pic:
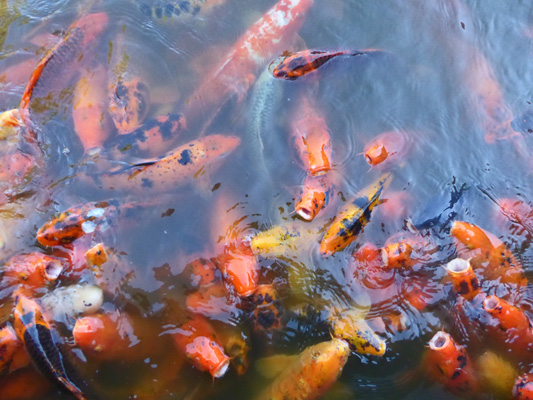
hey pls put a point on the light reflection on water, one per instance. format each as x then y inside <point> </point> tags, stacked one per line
<point>423,85</point>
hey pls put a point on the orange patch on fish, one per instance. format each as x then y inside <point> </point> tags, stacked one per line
<point>32,271</point>
<point>387,149</point>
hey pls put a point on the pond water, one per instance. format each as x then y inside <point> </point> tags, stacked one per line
<point>450,81</point>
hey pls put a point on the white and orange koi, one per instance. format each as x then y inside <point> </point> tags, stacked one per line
<point>264,40</point>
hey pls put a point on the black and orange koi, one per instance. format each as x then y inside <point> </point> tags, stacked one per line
<point>34,330</point>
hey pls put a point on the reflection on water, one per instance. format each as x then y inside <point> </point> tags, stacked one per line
<point>159,109</point>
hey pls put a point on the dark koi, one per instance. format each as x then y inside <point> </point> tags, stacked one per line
<point>292,66</point>
<point>34,330</point>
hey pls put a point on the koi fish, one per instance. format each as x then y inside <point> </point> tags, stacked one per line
<point>80,34</point>
<point>96,255</point>
<point>464,280</point>
<point>448,363</point>
<point>76,222</point>
<point>267,37</point>
<point>398,255</point>
<point>176,168</point>
<point>240,269</point>
<point>36,333</point>
<point>515,327</point>
<point>107,336</point>
<point>292,66</point>
<point>283,240</point>
<point>198,341</point>
<point>350,325</point>
<point>72,301</point>
<point>523,388</point>
<point>367,267</point>
<point>316,194</point>
<point>310,374</point>
<point>9,344</point>
<point>352,218</point>
<point>267,308</point>
<point>32,271</point>
<point>311,138</point>
<point>488,253</point>
<point>91,121</point>
<point>387,149</point>
<point>128,104</point>
<point>172,9</point>
<point>152,138</point>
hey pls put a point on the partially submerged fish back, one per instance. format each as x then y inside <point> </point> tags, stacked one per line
<point>179,166</point>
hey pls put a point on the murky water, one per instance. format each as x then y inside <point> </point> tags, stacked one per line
<point>453,79</point>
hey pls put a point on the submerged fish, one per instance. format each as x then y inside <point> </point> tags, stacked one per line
<point>308,375</point>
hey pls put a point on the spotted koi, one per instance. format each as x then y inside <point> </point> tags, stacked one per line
<point>316,194</point>
<point>448,363</point>
<point>35,331</point>
<point>152,138</point>
<point>464,280</point>
<point>177,167</point>
<point>76,222</point>
<point>352,218</point>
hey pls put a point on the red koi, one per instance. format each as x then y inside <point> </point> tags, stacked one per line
<point>32,271</point>
<point>76,222</point>
<point>89,113</point>
<point>295,65</point>
<point>367,267</point>
<point>449,364</point>
<point>240,269</point>
<point>198,341</point>
<point>263,40</point>
<point>34,330</point>
<point>311,138</point>
<point>175,168</point>
<point>80,34</point>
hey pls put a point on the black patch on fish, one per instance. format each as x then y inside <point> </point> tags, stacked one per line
<point>185,157</point>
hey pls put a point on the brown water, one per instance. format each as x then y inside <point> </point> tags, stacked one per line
<point>448,75</point>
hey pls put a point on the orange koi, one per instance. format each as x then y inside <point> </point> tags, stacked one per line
<point>32,271</point>
<point>80,34</point>
<point>263,40</point>
<point>91,121</point>
<point>311,374</point>
<point>96,255</point>
<point>316,194</point>
<point>109,336</point>
<point>449,364</point>
<point>515,327</point>
<point>198,341</point>
<point>9,344</point>
<point>398,255</point>
<point>311,138</point>
<point>523,388</point>
<point>487,253</point>
<point>295,65</point>
<point>129,104</point>
<point>36,333</point>
<point>201,273</point>
<point>352,218</point>
<point>464,280</point>
<point>240,269</point>
<point>387,149</point>
<point>268,309</point>
<point>175,168</point>
<point>76,222</point>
